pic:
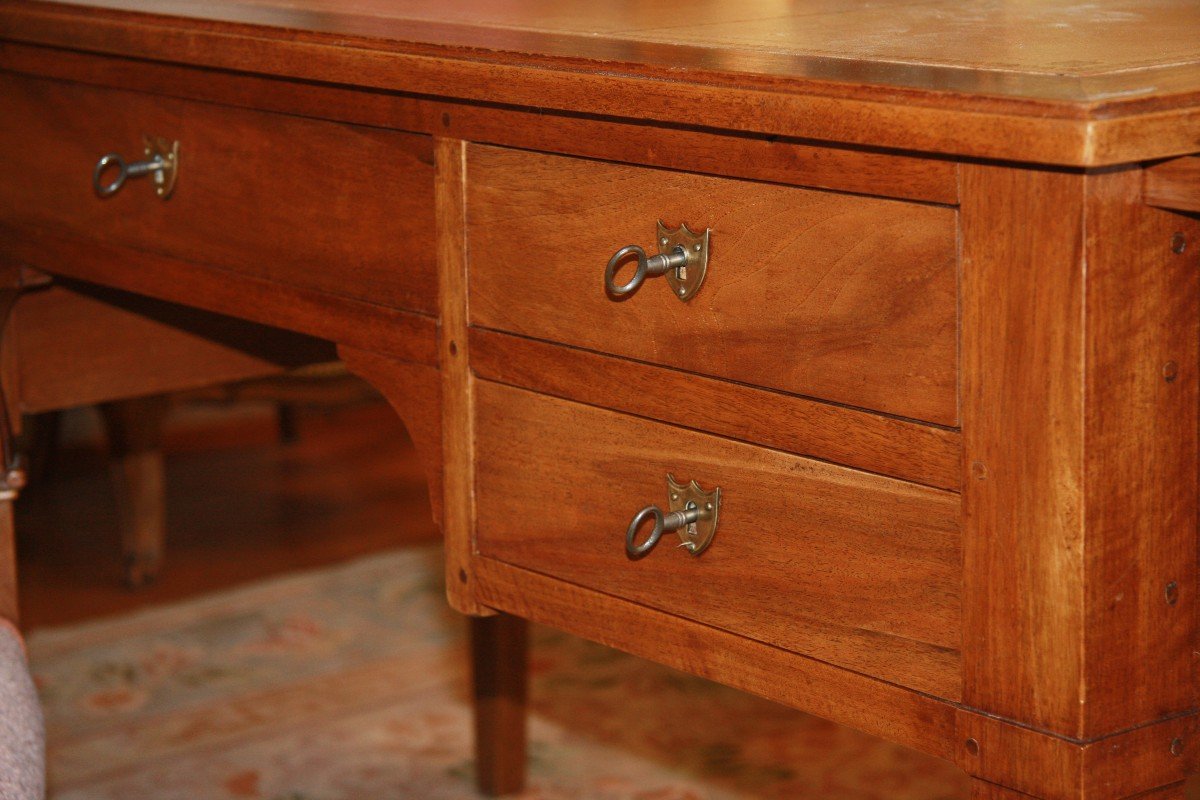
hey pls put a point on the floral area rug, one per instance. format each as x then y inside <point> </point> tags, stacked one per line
<point>350,684</point>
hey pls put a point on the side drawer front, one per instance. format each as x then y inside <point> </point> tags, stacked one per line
<point>834,296</point>
<point>338,208</point>
<point>851,568</point>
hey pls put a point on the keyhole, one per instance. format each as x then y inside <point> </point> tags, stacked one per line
<point>692,533</point>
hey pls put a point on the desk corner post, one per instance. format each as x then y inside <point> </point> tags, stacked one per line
<point>498,642</point>
<point>457,380</point>
<point>1080,339</point>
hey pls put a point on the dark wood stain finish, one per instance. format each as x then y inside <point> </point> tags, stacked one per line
<point>853,569</point>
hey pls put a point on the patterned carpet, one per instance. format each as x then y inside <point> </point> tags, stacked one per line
<point>349,684</point>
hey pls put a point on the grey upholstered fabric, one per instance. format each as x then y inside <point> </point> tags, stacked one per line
<point>22,734</point>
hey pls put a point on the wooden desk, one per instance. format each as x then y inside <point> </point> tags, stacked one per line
<point>943,365</point>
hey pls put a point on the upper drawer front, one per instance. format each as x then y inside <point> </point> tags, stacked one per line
<point>841,297</point>
<point>851,568</point>
<point>337,208</point>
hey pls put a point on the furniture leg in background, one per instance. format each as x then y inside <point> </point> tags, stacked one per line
<point>499,659</point>
<point>135,441</point>
<point>8,562</point>
<point>22,730</point>
<point>72,345</point>
<point>12,476</point>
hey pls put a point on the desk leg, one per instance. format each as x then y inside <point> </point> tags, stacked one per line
<point>498,643</point>
<point>135,446</point>
<point>499,648</point>
<point>1079,432</point>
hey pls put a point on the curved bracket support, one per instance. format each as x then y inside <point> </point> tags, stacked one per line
<point>414,393</point>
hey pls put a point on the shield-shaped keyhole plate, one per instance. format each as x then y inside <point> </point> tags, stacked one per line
<point>697,536</point>
<point>168,151</point>
<point>685,281</point>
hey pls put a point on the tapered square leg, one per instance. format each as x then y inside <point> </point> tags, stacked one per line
<point>499,648</point>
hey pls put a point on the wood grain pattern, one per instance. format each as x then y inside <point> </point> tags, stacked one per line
<point>80,345</point>
<point>342,209</point>
<point>1023,512</point>
<point>1173,184</point>
<point>1080,497</point>
<point>857,570</point>
<point>1111,103</point>
<point>405,335</point>
<point>1141,460</point>
<point>875,443</point>
<point>846,697</point>
<point>838,297</point>
<point>756,156</point>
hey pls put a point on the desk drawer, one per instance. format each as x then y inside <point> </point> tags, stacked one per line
<point>840,297</point>
<point>337,208</point>
<point>851,568</point>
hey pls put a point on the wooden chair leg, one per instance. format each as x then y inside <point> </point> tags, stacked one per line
<point>499,656</point>
<point>40,440</point>
<point>135,445</point>
<point>8,563</point>
<point>289,427</point>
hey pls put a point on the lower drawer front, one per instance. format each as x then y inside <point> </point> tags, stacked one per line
<point>848,567</point>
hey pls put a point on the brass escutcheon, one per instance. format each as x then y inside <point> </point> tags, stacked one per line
<point>692,513</point>
<point>682,258</point>
<point>162,162</point>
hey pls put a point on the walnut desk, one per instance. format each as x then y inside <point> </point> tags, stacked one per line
<point>881,319</point>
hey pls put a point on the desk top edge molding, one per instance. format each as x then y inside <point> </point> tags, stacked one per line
<point>1081,120</point>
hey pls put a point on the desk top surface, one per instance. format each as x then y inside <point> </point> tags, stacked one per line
<point>1038,59</point>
